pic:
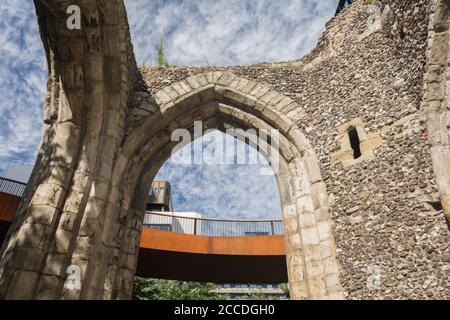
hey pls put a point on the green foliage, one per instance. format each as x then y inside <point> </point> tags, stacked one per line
<point>144,289</point>
<point>151,289</point>
<point>260,295</point>
<point>207,64</point>
<point>161,52</point>
<point>286,291</point>
<point>143,66</point>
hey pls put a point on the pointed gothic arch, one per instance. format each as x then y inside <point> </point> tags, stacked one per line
<point>224,100</point>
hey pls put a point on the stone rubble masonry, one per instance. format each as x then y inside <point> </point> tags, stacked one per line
<point>107,130</point>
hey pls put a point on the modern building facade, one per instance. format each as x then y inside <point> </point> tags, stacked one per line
<point>252,291</point>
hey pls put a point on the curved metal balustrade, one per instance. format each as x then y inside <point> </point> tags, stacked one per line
<point>12,187</point>
<point>212,227</point>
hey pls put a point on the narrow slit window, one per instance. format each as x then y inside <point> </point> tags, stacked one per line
<point>355,142</point>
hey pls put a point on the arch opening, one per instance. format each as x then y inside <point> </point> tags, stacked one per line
<point>245,247</point>
<point>222,176</point>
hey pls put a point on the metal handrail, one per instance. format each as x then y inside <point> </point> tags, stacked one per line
<point>15,181</point>
<point>12,187</point>
<point>212,227</point>
<point>169,214</point>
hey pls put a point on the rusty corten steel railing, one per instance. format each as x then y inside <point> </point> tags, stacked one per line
<point>212,227</point>
<point>12,187</point>
<point>11,193</point>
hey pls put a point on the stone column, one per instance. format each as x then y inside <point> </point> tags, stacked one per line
<point>59,222</point>
<point>436,103</point>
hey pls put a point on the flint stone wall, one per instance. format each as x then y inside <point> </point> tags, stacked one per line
<point>386,211</point>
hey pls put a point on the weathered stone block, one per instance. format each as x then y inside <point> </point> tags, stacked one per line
<point>48,288</point>
<point>314,268</point>
<point>112,73</point>
<point>260,90</point>
<point>225,79</point>
<point>306,220</point>
<point>310,236</point>
<point>63,240</point>
<point>30,235</point>
<point>330,266</point>
<point>324,231</point>
<point>55,265</point>
<point>41,214</point>
<point>20,285</point>
<point>299,290</point>
<point>162,98</point>
<point>439,50</point>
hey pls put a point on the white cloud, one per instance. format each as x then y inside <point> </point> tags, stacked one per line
<point>22,82</point>
<point>228,191</point>
<point>222,32</point>
<point>227,32</point>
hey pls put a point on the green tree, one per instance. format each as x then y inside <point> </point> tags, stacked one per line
<point>286,290</point>
<point>144,289</point>
<point>151,289</point>
<point>260,295</point>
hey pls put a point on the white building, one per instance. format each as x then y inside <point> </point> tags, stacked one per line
<point>252,291</point>
<point>179,222</point>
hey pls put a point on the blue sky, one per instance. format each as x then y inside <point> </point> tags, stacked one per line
<point>198,32</point>
<point>227,32</point>
<point>223,190</point>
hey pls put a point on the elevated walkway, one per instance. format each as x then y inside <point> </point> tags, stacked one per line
<point>193,249</point>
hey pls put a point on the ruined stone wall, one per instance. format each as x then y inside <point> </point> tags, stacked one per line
<point>367,74</point>
<point>82,206</point>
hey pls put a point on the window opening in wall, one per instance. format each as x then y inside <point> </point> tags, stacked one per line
<point>355,142</point>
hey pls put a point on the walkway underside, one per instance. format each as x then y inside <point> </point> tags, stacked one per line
<point>211,268</point>
<point>168,255</point>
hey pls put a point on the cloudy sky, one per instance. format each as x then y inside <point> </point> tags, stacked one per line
<point>227,32</point>
<point>197,32</point>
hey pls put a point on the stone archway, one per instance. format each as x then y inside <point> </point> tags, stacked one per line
<point>435,102</point>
